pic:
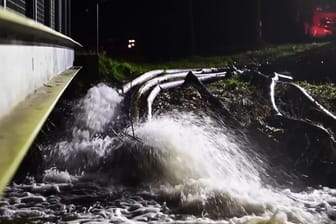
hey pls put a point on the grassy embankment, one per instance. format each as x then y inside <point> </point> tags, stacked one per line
<point>110,69</point>
<point>234,91</point>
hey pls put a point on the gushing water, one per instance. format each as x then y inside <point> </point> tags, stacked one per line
<point>180,168</point>
<point>98,107</point>
<point>198,149</point>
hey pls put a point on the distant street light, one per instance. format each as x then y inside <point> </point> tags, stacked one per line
<point>131,44</point>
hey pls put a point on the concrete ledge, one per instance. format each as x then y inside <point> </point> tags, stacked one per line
<point>17,28</point>
<point>21,126</point>
<point>33,58</point>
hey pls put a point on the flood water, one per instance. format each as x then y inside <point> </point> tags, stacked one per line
<point>180,167</point>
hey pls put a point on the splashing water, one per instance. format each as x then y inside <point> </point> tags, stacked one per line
<point>200,148</point>
<point>216,174</point>
<point>188,169</point>
<point>98,107</point>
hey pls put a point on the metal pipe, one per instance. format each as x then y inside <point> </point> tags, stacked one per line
<point>35,10</point>
<point>156,92</point>
<point>154,73</point>
<point>156,81</point>
<point>147,76</point>
<point>69,18</point>
<point>65,10</point>
<point>60,16</point>
<point>97,26</point>
<point>168,85</point>
<point>272,94</point>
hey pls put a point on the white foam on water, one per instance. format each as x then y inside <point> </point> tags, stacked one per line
<point>53,175</point>
<point>81,153</point>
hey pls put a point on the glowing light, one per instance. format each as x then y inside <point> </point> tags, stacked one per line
<point>131,43</point>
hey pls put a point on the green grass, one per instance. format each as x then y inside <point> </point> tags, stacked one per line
<point>324,93</point>
<point>111,69</point>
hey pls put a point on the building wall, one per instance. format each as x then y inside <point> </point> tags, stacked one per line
<point>55,14</point>
<point>17,5</point>
<point>31,54</point>
<point>25,68</point>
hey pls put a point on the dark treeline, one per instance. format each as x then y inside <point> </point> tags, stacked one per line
<point>178,28</point>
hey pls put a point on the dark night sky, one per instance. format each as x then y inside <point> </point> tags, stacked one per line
<point>164,27</point>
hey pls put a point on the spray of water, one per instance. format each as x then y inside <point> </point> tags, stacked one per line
<point>216,174</point>
<point>98,107</point>
<point>203,174</point>
<point>197,148</point>
<point>84,150</point>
